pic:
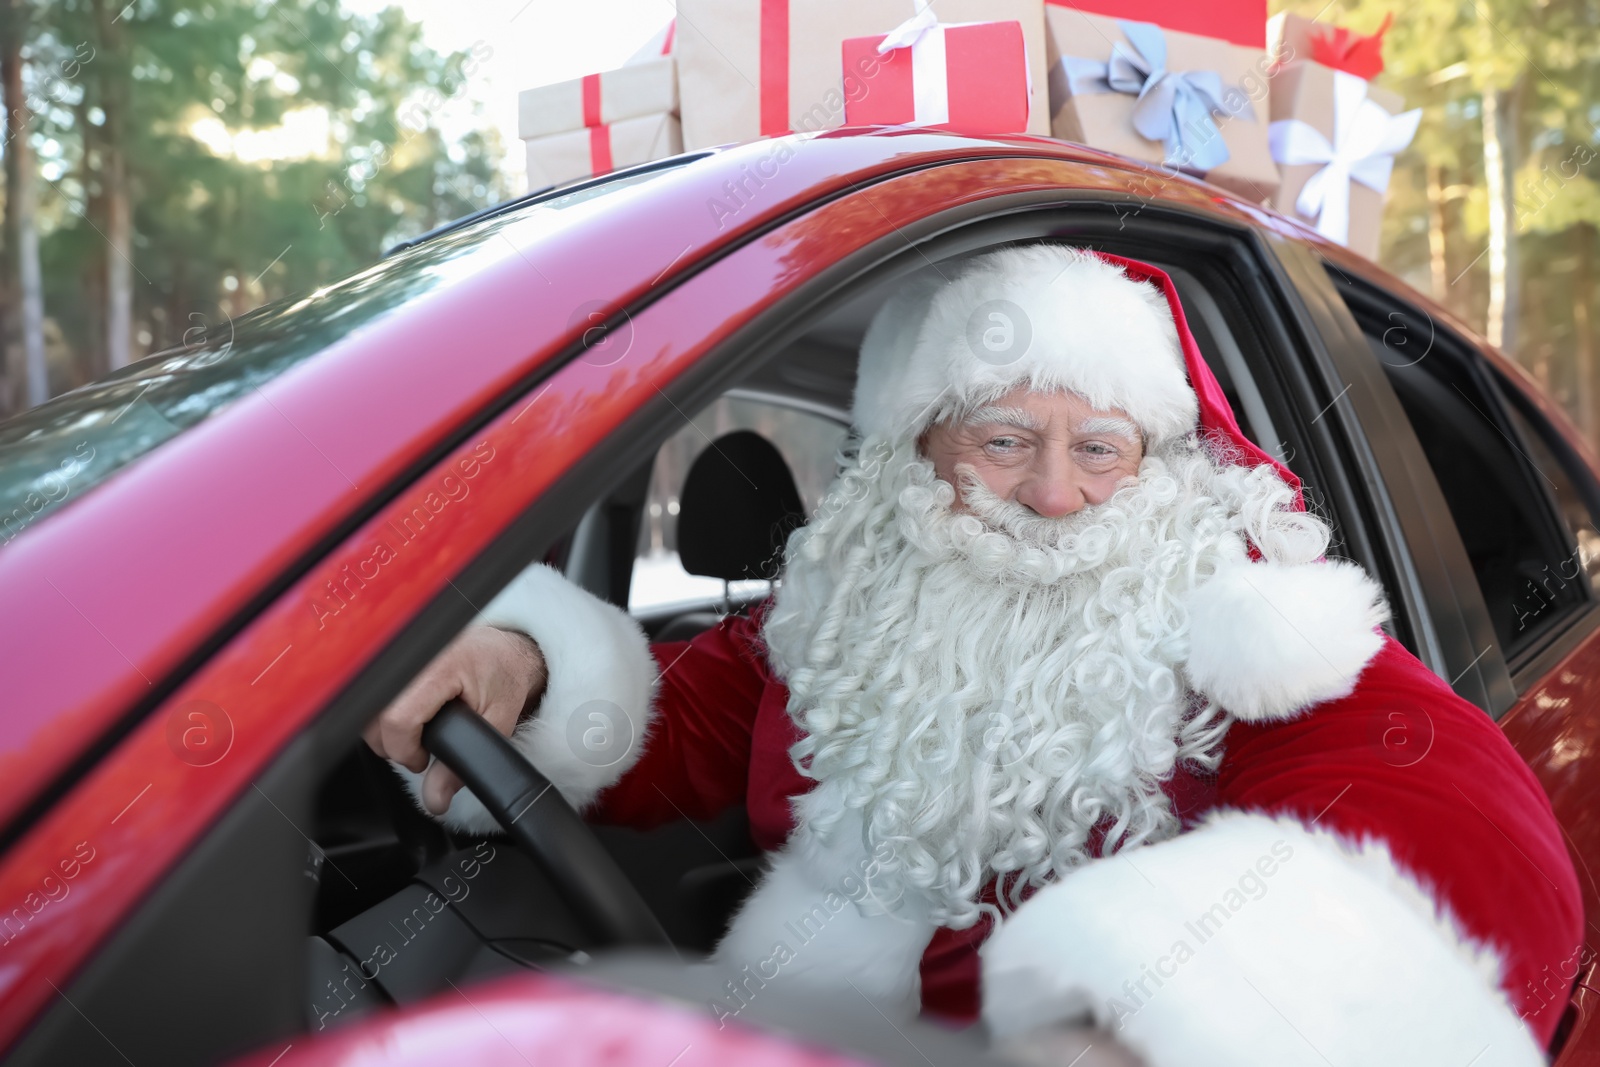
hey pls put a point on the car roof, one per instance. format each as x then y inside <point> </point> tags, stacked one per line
<point>116,597</point>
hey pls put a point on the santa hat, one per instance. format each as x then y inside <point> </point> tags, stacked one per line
<point>1054,317</point>
<point>1268,639</point>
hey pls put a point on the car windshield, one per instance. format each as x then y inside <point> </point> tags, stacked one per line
<point>59,450</point>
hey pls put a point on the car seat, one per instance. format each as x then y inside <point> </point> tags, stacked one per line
<point>738,506</point>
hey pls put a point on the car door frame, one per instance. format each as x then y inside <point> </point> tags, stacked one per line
<point>936,207</point>
<point>1440,584</point>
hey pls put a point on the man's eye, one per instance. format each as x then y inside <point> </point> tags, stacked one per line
<point>1003,442</point>
<point>1098,456</point>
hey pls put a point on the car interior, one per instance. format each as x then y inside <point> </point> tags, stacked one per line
<point>370,872</point>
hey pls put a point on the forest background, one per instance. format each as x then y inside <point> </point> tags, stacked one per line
<point>171,163</point>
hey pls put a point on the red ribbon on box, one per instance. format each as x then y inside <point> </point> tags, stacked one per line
<point>591,100</point>
<point>600,150</point>
<point>599,132</point>
<point>967,77</point>
<point>774,76</point>
<point>1353,53</point>
<point>1237,21</point>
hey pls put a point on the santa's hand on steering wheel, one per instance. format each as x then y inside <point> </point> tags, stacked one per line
<point>500,674</point>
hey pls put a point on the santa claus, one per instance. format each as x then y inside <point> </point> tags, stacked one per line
<point>1062,652</point>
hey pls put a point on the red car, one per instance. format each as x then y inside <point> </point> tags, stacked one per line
<point>282,523</point>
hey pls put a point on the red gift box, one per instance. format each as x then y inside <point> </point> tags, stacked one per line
<point>967,77</point>
<point>1291,37</point>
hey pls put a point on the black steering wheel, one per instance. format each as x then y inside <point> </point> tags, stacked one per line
<point>538,818</point>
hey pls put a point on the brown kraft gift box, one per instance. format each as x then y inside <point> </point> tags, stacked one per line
<point>1304,91</point>
<point>1105,119</point>
<point>565,157</point>
<point>646,88</point>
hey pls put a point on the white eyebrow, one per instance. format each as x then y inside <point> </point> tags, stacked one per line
<point>1005,416</point>
<point>1109,424</point>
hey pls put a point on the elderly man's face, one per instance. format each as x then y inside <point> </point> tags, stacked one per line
<point>1050,452</point>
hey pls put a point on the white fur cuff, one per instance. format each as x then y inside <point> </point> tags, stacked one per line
<point>1268,640</point>
<point>596,708</point>
<point>1254,941</point>
<point>804,926</point>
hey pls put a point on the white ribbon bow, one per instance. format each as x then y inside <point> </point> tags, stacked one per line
<point>930,78</point>
<point>1365,140</point>
<point>923,33</point>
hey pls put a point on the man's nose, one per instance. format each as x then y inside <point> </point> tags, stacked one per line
<point>1052,488</point>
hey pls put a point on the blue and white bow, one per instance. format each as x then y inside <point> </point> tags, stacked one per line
<point>1173,107</point>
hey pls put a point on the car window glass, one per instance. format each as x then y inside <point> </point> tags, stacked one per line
<point>1225,359</point>
<point>1575,495</point>
<point>1498,494</point>
<point>809,443</point>
<point>55,452</point>
<point>552,198</point>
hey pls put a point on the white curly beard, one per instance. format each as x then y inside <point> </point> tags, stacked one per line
<point>987,688</point>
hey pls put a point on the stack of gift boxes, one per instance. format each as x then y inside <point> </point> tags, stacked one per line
<point>602,122</point>
<point>1334,134</point>
<point>1281,113</point>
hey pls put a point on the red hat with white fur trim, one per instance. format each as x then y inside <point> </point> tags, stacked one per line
<point>1056,317</point>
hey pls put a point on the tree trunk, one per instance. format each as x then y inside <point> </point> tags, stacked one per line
<point>25,293</point>
<point>119,265</point>
<point>1438,262</point>
<point>114,179</point>
<point>1499,125</point>
<point>89,335</point>
<point>1583,236</point>
<point>12,373</point>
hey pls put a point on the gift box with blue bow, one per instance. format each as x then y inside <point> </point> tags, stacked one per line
<point>1181,86</point>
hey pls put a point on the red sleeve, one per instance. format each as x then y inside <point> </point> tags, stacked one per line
<point>1405,760</point>
<point>696,757</point>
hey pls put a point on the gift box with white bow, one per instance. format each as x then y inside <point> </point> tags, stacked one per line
<point>967,77</point>
<point>1334,134</point>
<point>1180,85</point>
<point>761,68</point>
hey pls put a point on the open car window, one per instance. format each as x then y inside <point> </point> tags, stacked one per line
<point>808,442</point>
<point>1577,500</point>
<point>1499,479</point>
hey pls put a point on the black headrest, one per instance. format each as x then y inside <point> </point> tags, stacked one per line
<point>738,507</point>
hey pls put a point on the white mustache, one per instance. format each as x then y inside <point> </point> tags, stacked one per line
<point>1017,521</point>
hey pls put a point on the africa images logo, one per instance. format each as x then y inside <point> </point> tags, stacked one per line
<point>999,333</point>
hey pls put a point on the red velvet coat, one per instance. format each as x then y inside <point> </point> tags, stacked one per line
<point>1402,759</point>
